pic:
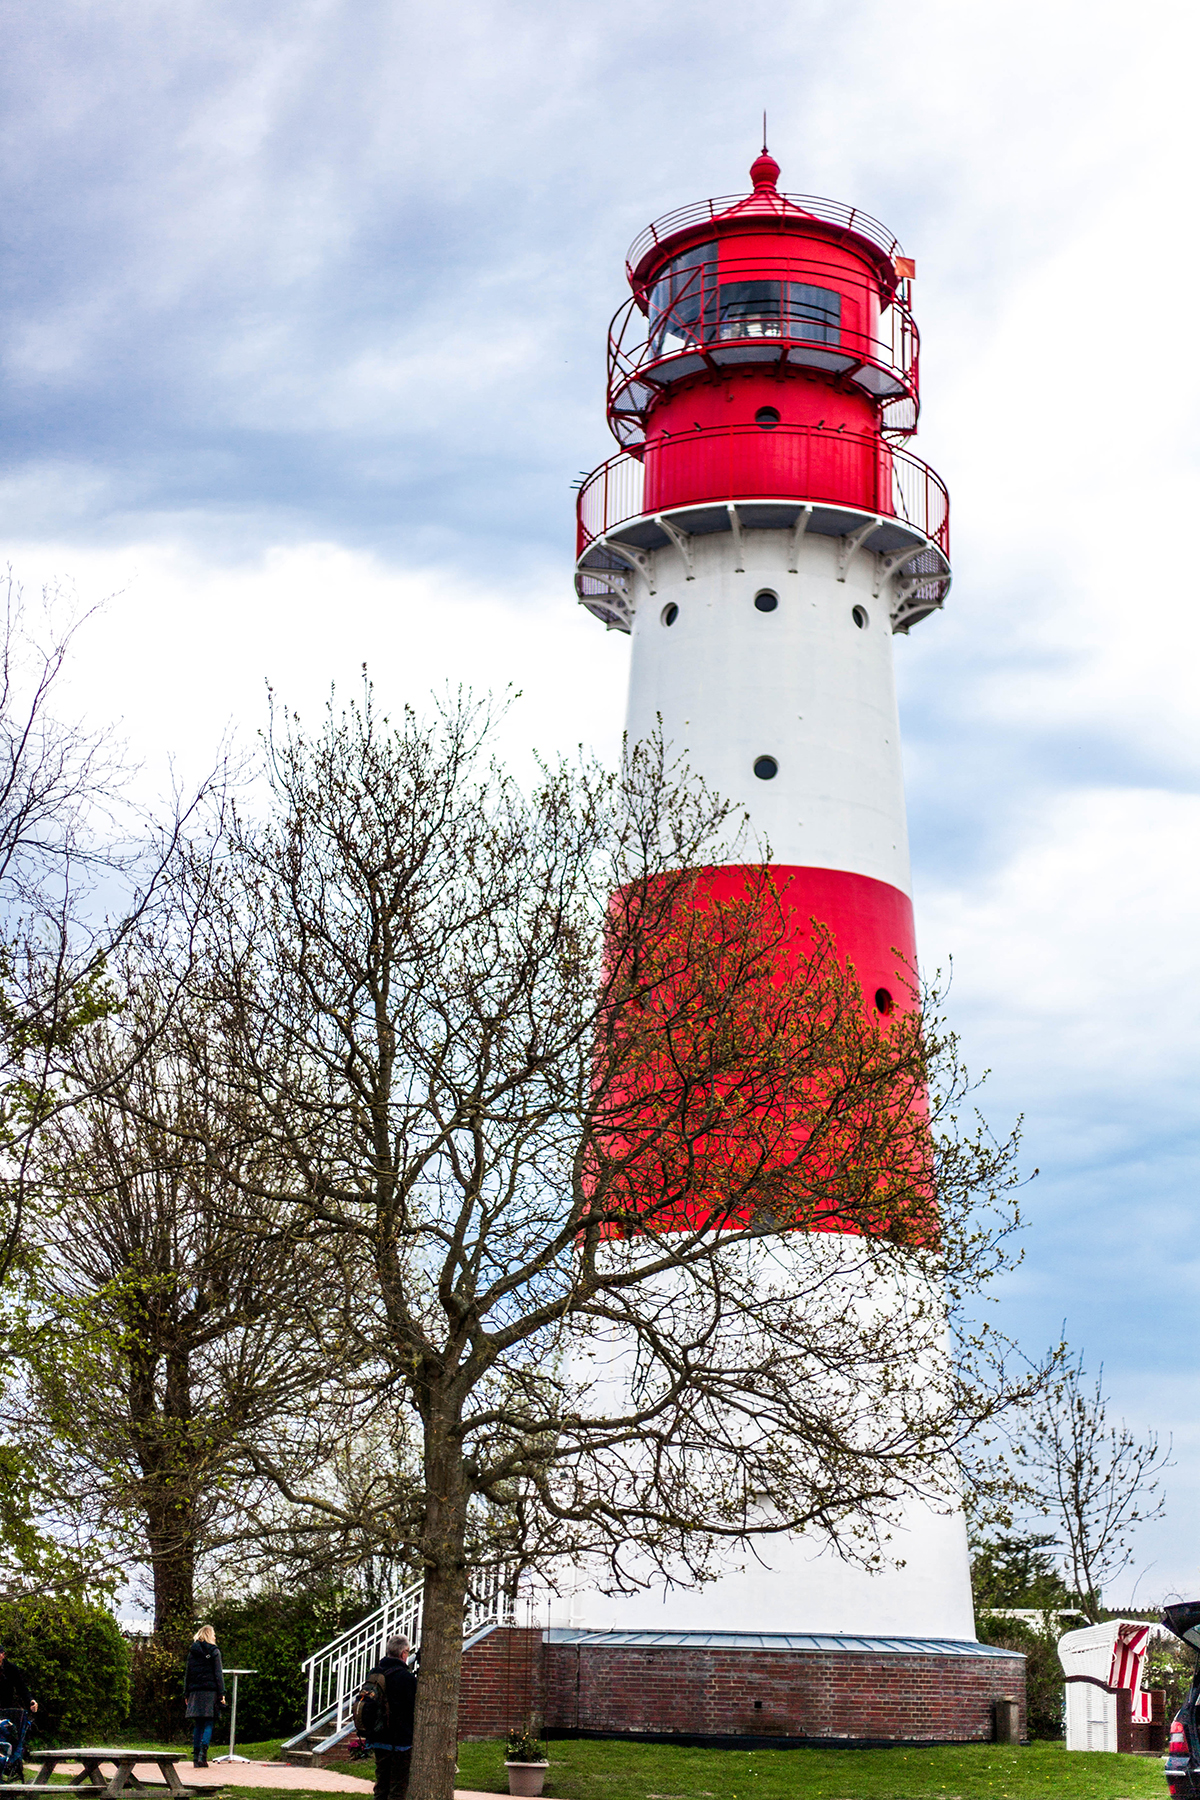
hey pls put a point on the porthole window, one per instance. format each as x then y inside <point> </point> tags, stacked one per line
<point>765,600</point>
<point>766,768</point>
<point>883,1001</point>
<point>861,617</point>
<point>669,613</point>
<point>767,417</point>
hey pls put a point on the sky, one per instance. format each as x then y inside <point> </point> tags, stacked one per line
<point>303,345</point>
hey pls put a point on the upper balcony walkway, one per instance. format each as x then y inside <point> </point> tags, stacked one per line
<point>848,485</point>
<point>644,363</point>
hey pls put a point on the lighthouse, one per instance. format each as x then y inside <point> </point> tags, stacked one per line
<point>762,535</point>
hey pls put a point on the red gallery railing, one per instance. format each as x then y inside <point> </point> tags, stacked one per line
<point>699,212</point>
<point>641,365</point>
<point>802,463</point>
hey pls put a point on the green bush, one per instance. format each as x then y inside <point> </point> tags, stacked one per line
<point>156,1666</point>
<point>76,1662</point>
<point>1043,1671</point>
<point>273,1633</point>
<point>1171,1667</point>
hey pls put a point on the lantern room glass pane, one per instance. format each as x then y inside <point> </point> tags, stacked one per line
<point>683,301</point>
<point>814,313</point>
<point>686,308</point>
<point>750,308</point>
<point>780,309</point>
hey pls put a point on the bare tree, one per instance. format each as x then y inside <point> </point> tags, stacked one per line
<point>1094,1481</point>
<point>53,773</point>
<point>60,795</point>
<point>80,874</point>
<point>661,1234</point>
<point>174,1318</point>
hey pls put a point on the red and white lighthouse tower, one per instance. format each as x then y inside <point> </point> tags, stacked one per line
<point>762,536</point>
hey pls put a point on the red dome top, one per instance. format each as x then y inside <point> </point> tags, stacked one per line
<point>766,200</point>
<point>764,170</point>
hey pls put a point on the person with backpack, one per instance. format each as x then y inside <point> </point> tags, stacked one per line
<point>204,1691</point>
<point>17,1707</point>
<point>383,1714</point>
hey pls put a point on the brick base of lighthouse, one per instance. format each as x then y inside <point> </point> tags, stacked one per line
<point>772,1690</point>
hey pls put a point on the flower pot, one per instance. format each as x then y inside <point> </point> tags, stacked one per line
<point>526,1778</point>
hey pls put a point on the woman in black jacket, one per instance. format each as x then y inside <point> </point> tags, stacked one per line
<point>204,1690</point>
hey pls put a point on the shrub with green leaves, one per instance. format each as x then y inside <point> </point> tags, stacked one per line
<point>156,1685</point>
<point>76,1663</point>
<point>1043,1672</point>
<point>272,1634</point>
<point>1172,1667</point>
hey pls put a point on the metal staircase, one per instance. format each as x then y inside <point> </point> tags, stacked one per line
<point>336,1672</point>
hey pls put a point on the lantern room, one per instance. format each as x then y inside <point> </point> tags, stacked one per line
<point>770,304</point>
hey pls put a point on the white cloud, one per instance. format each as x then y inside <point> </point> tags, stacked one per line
<point>305,334</point>
<point>185,646</point>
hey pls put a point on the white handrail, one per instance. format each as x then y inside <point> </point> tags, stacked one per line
<point>337,1671</point>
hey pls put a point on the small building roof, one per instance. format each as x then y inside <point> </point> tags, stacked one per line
<point>817,1641</point>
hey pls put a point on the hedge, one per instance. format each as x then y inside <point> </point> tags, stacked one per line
<point>1044,1687</point>
<point>76,1663</point>
<point>272,1634</point>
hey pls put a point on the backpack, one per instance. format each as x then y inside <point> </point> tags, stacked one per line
<point>13,1733</point>
<point>370,1712</point>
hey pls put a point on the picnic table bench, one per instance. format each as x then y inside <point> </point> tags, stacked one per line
<point>91,1779</point>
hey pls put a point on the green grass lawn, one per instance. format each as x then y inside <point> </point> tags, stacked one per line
<point>265,1751</point>
<point>610,1770</point>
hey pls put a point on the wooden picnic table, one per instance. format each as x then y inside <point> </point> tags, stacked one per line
<point>123,1780</point>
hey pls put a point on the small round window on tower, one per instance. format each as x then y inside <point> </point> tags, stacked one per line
<point>766,768</point>
<point>767,417</point>
<point>669,613</point>
<point>883,1001</point>
<point>861,617</point>
<point>766,601</point>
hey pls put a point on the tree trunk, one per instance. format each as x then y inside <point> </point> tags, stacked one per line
<point>435,1737</point>
<point>162,1437</point>
<point>173,1565</point>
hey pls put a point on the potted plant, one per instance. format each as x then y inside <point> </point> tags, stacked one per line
<point>525,1760</point>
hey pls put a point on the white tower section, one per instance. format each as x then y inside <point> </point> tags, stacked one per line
<point>806,681</point>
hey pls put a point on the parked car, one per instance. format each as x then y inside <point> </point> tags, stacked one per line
<point>1183,1747</point>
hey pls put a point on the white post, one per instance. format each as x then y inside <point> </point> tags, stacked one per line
<point>233,1715</point>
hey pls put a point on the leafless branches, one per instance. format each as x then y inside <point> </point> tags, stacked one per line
<point>70,895</point>
<point>454,1174</point>
<point>1095,1481</point>
<point>654,1229</point>
<point>175,1320</point>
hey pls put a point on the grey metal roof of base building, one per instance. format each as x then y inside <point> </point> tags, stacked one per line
<point>773,1640</point>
